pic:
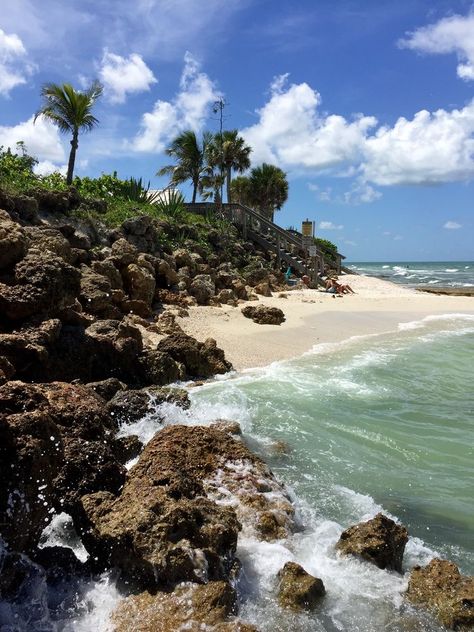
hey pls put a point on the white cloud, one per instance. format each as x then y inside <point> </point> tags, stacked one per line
<point>124,75</point>
<point>14,65</point>
<point>41,139</point>
<point>45,167</point>
<point>430,148</point>
<point>187,110</point>
<point>324,225</point>
<point>361,193</point>
<point>453,34</point>
<point>293,133</point>
<point>450,225</point>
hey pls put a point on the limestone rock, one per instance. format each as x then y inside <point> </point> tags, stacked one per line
<point>264,315</point>
<point>263,289</point>
<point>160,368</point>
<point>139,283</point>
<point>441,588</point>
<point>124,252</point>
<point>106,268</point>
<point>13,244</point>
<point>379,541</point>
<point>107,388</point>
<point>51,240</point>
<point>227,297</point>
<point>298,589</point>
<point>200,359</point>
<point>96,297</point>
<point>202,288</point>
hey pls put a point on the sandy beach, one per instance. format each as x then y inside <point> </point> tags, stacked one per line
<point>314,317</point>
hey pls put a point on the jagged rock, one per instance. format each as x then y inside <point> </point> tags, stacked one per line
<point>255,275</point>
<point>441,588</point>
<point>227,297</point>
<point>27,209</point>
<point>124,253</point>
<point>29,347</point>
<point>50,201</point>
<point>379,541</point>
<point>106,268</point>
<point>263,289</point>
<point>127,448</point>
<point>54,447</point>
<point>160,368</point>
<point>190,607</point>
<point>298,589</point>
<point>202,288</point>
<point>7,370</point>
<point>264,315</point>
<point>200,359</point>
<point>13,244</point>
<point>171,298</point>
<point>95,296</point>
<point>162,529</point>
<point>51,240</point>
<point>183,258</point>
<point>107,388</point>
<point>132,405</point>
<point>136,307</point>
<point>44,283</point>
<point>143,232</point>
<point>232,427</point>
<point>139,283</point>
<point>166,275</point>
<point>165,325</point>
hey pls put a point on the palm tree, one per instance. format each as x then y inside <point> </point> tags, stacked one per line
<point>230,152</point>
<point>190,156</point>
<point>268,189</point>
<point>240,190</point>
<point>71,111</point>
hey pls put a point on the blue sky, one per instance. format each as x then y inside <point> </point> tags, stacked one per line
<point>368,105</point>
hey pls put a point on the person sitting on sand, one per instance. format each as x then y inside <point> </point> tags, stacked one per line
<point>333,287</point>
<point>346,289</point>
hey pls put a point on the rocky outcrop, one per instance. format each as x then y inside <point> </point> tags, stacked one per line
<point>52,439</point>
<point>380,541</point>
<point>298,590</point>
<point>190,607</point>
<point>441,588</point>
<point>200,359</point>
<point>264,315</point>
<point>202,288</point>
<point>13,243</point>
<point>131,405</point>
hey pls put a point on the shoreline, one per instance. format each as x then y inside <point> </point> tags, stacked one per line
<point>314,317</point>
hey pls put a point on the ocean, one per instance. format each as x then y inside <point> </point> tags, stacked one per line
<point>375,423</point>
<point>412,273</point>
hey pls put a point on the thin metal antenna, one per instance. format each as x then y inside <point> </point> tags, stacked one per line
<point>218,108</point>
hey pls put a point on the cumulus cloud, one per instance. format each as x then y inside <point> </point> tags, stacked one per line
<point>45,167</point>
<point>14,65</point>
<point>430,148</point>
<point>292,132</point>
<point>450,225</point>
<point>124,75</point>
<point>41,139</point>
<point>453,34</point>
<point>324,225</point>
<point>187,110</point>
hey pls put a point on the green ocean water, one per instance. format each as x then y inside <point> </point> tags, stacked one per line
<point>376,423</point>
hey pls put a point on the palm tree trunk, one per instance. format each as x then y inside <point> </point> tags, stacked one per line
<point>229,178</point>
<point>195,188</point>
<point>72,157</point>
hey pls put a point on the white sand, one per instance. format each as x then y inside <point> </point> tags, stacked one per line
<point>314,317</point>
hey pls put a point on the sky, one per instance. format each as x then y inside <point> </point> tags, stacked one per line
<point>367,105</point>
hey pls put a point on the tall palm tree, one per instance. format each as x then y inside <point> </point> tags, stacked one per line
<point>71,111</point>
<point>231,153</point>
<point>191,160</point>
<point>268,188</point>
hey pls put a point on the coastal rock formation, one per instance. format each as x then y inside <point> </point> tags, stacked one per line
<point>190,607</point>
<point>52,439</point>
<point>202,288</point>
<point>380,541</point>
<point>441,588</point>
<point>200,359</point>
<point>298,590</point>
<point>264,315</point>
<point>12,241</point>
<point>130,405</point>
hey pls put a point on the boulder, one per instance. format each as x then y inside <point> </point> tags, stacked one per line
<point>298,590</point>
<point>124,253</point>
<point>132,405</point>
<point>380,541</point>
<point>207,607</point>
<point>264,315</point>
<point>96,296</point>
<point>263,289</point>
<point>165,325</point>
<point>28,348</point>
<point>143,232</point>
<point>165,274</point>
<point>202,288</point>
<point>139,283</point>
<point>136,307</point>
<point>162,529</point>
<point>107,388</point>
<point>227,297</point>
<point>200,359</point>
<point>44,283</point>
<point>51,240</point>
<point>127,448</point>
<point>13,244</point>
<point>52,439</point>
<point>107,269</point>
<point>160,368</point>
<point>441,588</point>
<point>7,370</point>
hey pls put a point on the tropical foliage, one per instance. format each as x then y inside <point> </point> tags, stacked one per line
<point>228,152</point>
<point>71,111</point>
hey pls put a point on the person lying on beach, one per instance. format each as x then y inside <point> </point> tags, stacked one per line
<point>346,289</point>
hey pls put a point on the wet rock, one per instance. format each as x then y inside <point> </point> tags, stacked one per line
<point>441,588</point>
<point>232,427</point>
<point>162,529</point>
<point>107,388</point>
<point>54,447</point>
<point>160,368</point>
<point>200,359</point>
<point>127,448</point>
<point>43,284</point>
<point>13,244</point>
<point>379,541</point>
<point>129,406</point>
<point>264,315</point>
<point>190,607</point>
<point>298,590</point>
<point>202,288</point>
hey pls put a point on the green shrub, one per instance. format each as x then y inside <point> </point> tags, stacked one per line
<point>171,205</point>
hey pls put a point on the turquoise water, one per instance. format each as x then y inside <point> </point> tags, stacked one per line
<point>376,423</point>
<point>442,273</point>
